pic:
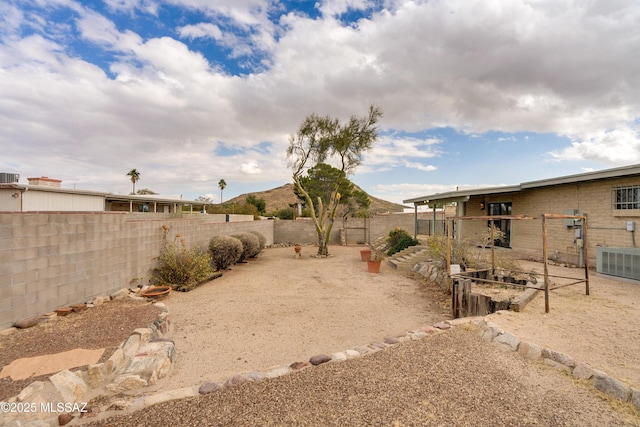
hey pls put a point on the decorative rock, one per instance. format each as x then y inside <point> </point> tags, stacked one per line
<point>339,357</point>
<point>378,345</point>
<point>298,365</point>
<point>583,371</point>
<point>63,311</point>
<point>319,359</point>
<point>557,365</point>
<point>236,380</point>
<point>363,350</point>
<point>122,293</point>
<point>27,322</point>
<point>77,308</point>
<point>209,387</point>
<point>558,357</point>
<point>96,375</point>
<point>352,353</point>
<point>70,387</point>
<point>130,346</point>
<point>442,325</point>
<point>167,396</point>
<point>277,372</point>
<point>255,376</point>
<point>611,386</point>
<point>417,335</point>
<point>127,382</point>
<point>29,390</point>
<point>116,361</point>
<point>509,340</point>
<point>145,334</point>
<point>635,399</point>
<point>529,351</point>
<point>391,341</point>
<point>429,330</point>
<point>64,419</point>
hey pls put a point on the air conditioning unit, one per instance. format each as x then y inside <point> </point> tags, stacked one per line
<point>621,262</point>
<point>9,178</point>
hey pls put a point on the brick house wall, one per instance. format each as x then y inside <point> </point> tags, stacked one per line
<point>606,226</point>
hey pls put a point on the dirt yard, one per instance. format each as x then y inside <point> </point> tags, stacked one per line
<point>279,309</point>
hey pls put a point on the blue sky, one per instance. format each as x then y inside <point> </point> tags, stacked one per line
<point>475,93</point>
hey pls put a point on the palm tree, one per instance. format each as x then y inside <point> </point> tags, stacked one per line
<point>222,184</point>
<point>135,177</point>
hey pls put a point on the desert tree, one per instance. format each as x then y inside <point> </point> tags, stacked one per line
<point>134,175</point>
<point>323,139</point>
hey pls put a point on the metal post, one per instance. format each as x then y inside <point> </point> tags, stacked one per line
<point>546,264</point>
<point>493,253</point>
<point>415,221</point>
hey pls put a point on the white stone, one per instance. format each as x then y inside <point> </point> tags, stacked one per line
<point>340,356</point>
<point>95,375</point>
<point>69,385</point>
<point>583,371</point>
<point>352,353</point>
<point>529,351</point>
<point>130,346</point>
<point>509,340</point>
<point>277,372</point>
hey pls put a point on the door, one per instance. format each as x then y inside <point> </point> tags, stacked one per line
<point>503,225</point>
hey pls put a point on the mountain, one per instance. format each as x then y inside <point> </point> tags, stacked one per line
<point>281,197</point>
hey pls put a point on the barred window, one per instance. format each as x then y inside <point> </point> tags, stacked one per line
<point>626,197</point>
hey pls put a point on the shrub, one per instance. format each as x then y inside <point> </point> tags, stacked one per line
<point>262,241</point>
<point>181,268</point>
<point>225,251</point>
<point>398,240</point>
<point>250,245</point>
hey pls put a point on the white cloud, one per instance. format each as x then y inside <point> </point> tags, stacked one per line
<point>564,67</point>
<point>250,168</point>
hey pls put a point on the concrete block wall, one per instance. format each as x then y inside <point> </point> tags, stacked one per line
<point>51,260</point>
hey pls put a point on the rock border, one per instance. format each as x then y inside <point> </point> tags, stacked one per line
<point>145,357</point>
<point>140,361</point>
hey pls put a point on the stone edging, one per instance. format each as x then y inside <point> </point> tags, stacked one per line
<point>140,361</point>
<point>135,346</point>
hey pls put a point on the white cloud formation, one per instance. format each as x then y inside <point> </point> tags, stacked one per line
<point>566,67</point>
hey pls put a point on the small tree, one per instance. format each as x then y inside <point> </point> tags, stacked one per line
<point>319,139</point>
<point>260,204</point>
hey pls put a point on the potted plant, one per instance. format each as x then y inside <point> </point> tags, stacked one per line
<point>373,264</point>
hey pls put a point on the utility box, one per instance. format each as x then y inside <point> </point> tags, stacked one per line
<point>631,226</point>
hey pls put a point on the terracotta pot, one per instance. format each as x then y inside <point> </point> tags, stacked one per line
<point>297,248</point>
<point>156,292</point>
<point>374,266</point>
<point>365,254</point>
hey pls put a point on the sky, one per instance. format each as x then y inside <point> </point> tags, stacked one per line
<point>474,93</point>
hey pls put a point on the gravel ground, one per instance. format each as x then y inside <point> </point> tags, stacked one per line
<point>453,378</point>
<point>104,326</point>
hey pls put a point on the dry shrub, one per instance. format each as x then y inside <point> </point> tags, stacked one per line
<point>181,268</point>
<point>225,251</point>
<point>250,245</point>
<point>261,240</point>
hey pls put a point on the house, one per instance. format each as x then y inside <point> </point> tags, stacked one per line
<point>609,199</point>
<point>44,194</point>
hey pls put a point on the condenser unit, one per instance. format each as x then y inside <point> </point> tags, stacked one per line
<point>621,262</point>
<point>9,178</point>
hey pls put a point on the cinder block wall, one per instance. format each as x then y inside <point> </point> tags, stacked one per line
<point>50,260</point>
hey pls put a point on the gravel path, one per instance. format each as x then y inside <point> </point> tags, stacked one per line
<point>453,378</point>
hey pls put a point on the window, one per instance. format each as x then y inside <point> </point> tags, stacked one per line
<point>626,197</point>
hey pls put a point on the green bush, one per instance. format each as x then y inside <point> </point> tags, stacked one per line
<point>181,268</point>
<point>262,241</point>
<point>225,251</point>
<point>250,245</point>
<point>398,240</point>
